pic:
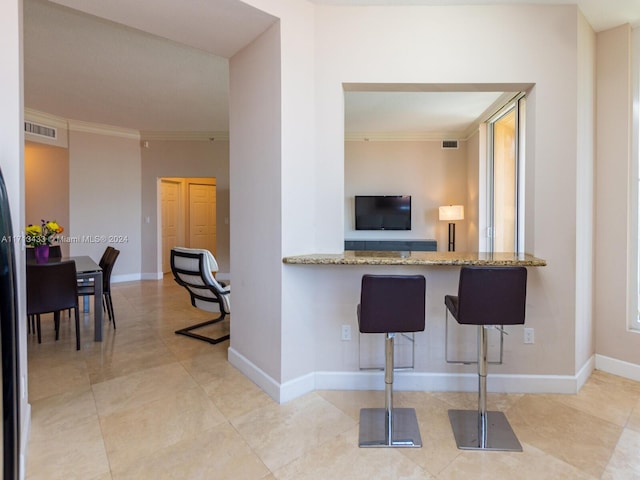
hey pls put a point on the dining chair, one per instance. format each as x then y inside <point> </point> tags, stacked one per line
<point>87,283</point>
<point>54,252</point>
<point>105,255</point>
<point>52,287</point>
<point>107,269</point>
<point>107,262</point>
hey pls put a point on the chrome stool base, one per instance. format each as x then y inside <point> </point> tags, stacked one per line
<point>499,436</point>
<point>404,430</point>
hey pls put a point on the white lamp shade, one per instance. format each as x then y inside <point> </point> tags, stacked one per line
<point>452,212</point>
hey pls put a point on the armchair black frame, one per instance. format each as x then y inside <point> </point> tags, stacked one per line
<point>192,268</point>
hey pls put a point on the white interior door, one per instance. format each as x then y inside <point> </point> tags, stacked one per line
<point>170,206</point>
<point>202,216</point>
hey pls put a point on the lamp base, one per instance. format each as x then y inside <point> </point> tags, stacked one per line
<point>452,237</point>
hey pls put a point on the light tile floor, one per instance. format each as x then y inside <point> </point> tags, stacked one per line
<point>149,404</point>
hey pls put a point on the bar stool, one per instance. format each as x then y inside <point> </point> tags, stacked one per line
<point>487,296</point>
<point>390,304</point>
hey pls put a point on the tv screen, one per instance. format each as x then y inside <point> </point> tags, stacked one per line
<point>378,212</point>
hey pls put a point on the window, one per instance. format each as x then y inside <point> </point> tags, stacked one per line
<point>505,162</point>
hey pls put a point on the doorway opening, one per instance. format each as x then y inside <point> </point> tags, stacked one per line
<point>187,215</point>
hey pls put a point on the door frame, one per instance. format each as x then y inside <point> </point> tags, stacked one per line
<point>184,219</point>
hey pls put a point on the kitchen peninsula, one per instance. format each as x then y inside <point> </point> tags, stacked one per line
<point>345,360</point>
<point>417,258</point>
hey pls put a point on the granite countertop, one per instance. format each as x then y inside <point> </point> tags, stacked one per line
<point>416,258</point>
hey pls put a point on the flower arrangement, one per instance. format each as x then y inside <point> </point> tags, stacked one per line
<point>42,234</point>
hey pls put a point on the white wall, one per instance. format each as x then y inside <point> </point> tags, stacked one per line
<point>256,202</point>
<point>181,158</point>
<point>397,45</point>
<point>46,179</point>
<point>612,248</point>
<point>296,98</point>
<point>585,344</point>
<point>462,41</point>
<point>272,217</point>
<point>422,169</point>
<point>105,198</point>
<point>11,155</point>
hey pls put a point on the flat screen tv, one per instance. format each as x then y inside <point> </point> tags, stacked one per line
<point>383,212</point>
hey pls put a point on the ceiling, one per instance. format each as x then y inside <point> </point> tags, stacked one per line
<point>82,67</point>
<point>418,115</point>
<point>161,65</point>
<point>601,14</point>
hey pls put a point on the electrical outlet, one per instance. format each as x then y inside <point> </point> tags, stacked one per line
<point>346,333</point>
<point>529,336</point>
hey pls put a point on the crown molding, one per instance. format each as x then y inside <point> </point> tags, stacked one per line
<point>50,120</point>
<point>186,136</point>
<point>46,119</point>
<point>401,136</point>
<point>108,130</point>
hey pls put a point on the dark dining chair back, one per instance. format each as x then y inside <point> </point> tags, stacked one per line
<point>107,269</point>
<point>105,256</point>
<point>52,287</point>
<point>107,262</point>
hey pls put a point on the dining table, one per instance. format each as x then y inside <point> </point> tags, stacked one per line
<point>87,269</point>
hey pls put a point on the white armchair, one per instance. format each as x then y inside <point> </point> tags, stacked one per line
<point>193,269</point>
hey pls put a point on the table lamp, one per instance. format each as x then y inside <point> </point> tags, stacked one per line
<point>451,213</point>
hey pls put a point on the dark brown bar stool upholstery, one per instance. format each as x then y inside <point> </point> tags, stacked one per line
<point>487,296</point>
<point>390,304</point>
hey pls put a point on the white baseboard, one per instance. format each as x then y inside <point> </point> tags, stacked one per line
<point>255,374</point>
<point>446,382</point>
<point>618,367</point>
<point>585,372</point>
<point>281,393</point>
<point>411,381</point>
<point>131,277</point>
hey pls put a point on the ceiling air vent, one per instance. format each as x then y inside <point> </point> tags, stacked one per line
<point>40,130</point>
<point>449,144</point>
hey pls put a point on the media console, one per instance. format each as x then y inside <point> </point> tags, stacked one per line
<point>392,245</point>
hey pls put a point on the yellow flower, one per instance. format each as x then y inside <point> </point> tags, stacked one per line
<point>33,230</point>
<point>43,234</point>
<point>53,227</point>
